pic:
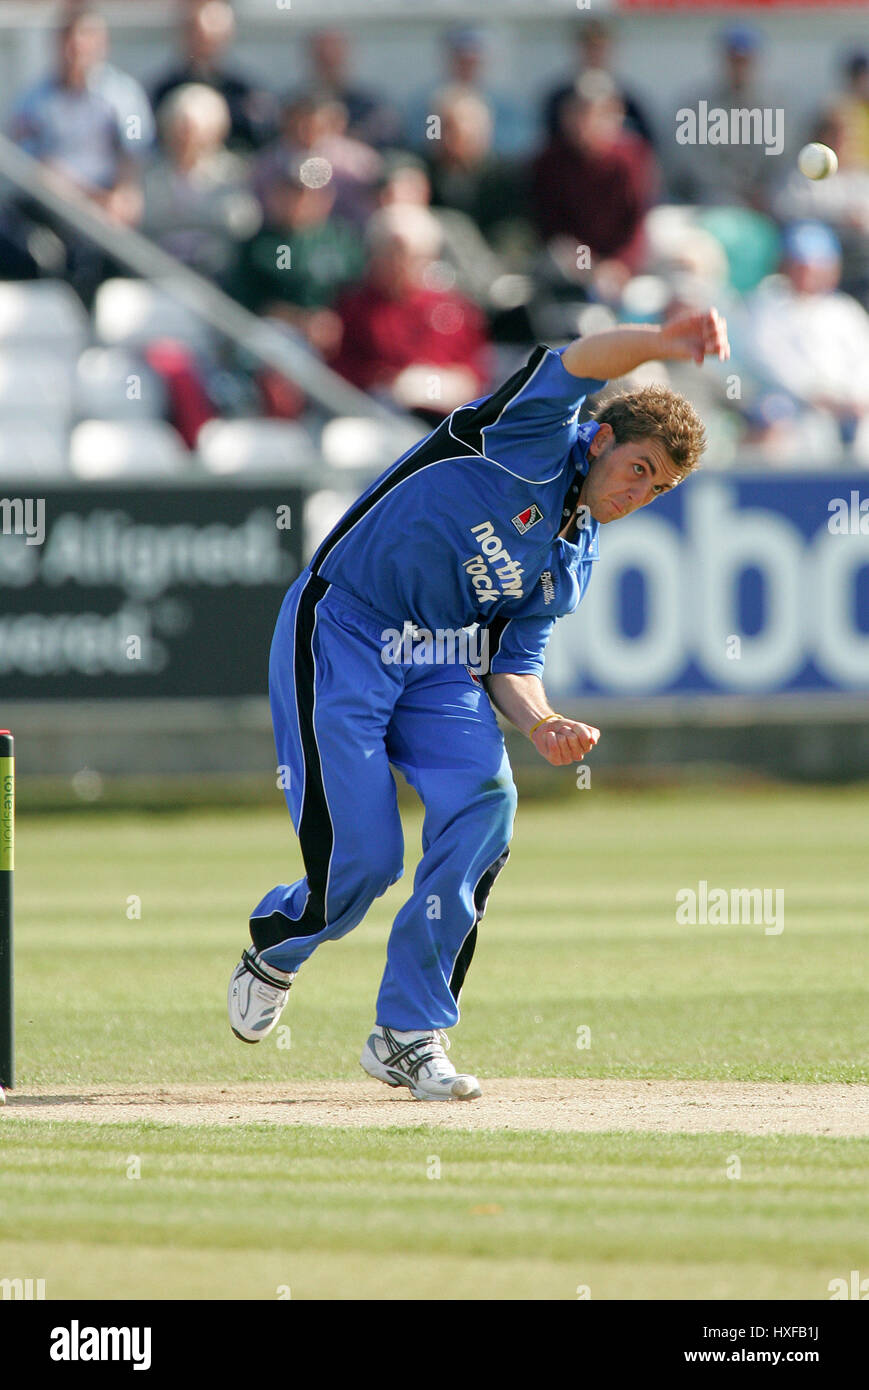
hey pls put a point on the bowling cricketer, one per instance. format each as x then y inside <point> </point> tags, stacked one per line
<point>489,526</point>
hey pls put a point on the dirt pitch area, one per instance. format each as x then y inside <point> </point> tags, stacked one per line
<point>693,1107</point>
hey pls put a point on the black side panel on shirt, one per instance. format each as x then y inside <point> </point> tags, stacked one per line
<point>438,446</point>
<point>494,632</point>
<point>470,421</point>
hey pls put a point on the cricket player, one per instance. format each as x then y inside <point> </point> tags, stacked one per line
<point>491,519</point>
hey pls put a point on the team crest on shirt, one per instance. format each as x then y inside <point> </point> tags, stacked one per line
<point>523,521</point>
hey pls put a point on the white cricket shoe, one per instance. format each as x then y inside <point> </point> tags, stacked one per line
<point>418,1061</point>
<point>256,998</point>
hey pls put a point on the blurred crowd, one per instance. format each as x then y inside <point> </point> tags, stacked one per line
<point>420,250</point>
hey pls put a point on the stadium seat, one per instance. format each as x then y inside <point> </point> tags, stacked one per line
<point>257,446</point>
<point>141,449</point>
<point>133,313</point>
<point>113,384</point>
<point>44,312</point>
<point>351,442</point>
<point>34,385</point>
<point>33,452</point>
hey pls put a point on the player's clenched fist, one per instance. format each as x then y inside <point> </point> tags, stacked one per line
<point>693,337</point>
<point>561,741</point>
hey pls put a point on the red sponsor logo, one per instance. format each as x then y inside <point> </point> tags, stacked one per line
<point>523,521</point>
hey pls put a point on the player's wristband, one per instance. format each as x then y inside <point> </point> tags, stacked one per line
<point>543,721</point>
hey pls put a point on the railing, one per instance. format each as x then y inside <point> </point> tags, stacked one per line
<point>149,262</point>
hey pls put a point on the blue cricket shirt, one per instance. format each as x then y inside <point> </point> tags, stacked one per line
<point>463,528</point>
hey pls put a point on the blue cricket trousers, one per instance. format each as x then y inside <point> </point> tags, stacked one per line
<point>341,715</point>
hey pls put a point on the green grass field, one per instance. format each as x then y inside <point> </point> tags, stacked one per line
<point>581,930</point>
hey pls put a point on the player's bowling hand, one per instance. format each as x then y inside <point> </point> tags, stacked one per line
<point>692,337</point>
<point>563,741</point>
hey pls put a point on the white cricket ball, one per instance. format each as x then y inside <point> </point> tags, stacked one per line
<point>817,161</point>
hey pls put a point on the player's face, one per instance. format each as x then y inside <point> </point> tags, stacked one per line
<point>623,477</point>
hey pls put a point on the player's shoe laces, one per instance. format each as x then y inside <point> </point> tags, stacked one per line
<point>418,1061</point>
<point>256,998</point>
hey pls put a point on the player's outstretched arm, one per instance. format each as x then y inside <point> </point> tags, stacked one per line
<point>522,700</point>
<point>615,351</point>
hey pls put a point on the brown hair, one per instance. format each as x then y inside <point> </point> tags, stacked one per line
<point>656,412</point>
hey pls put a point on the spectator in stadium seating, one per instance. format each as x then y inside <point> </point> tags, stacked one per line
<point>207,33</point>
<point>313,127</point>
<point>77,134</point>
<point>841,202</point>
<point>295,266</point>
<point>125,95</point>
<point>185,377</point>
<point>591,188</point>
<point>594,53</point>
<point>197,203</point>
<point>777,433</point>
<point>73,129</point>
<point>369,118</point>
<point>465,52</point>
<point>416,346</point>
<point>467,261</point>
<point>463,172</point>
<point>853,106</point>
<point>403,179</point>
<point>84,28</point>
<point>739,172</point>
<point>806,339</point>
